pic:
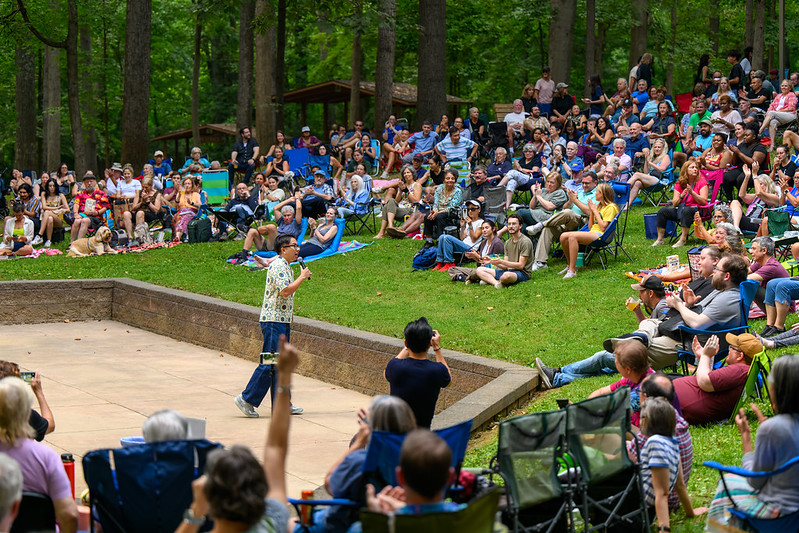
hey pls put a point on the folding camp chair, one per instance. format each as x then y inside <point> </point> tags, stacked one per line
<point>658,193</point>
<point>621,193</point>
<point>299,161</point>
<point>367,218</point>
<point>382,458</point>
<point>781,524</point>
<point>497,137</point>
<point>530,453</point>
<point>144,487</point>
<point>685,356</point>
<point>756,386</point>
<point>611,492</point>
<point>604,245</point>
<point>36,513</point>
<point>477,517</point>
<point>714,179</point>
<point>495,205</point>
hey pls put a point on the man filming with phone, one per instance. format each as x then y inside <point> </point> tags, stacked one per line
<point>277,312</point>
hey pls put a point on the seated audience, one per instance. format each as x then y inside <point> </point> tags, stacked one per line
<point>726,117</point>
<point>356,200</point>
<point>243,205</point>
<point>515,122</point>
<point>518,260</point>
<point>280,142</point>
<point>125,193</point>
<point>765,267</point>
<point>17,232</point>
<point>41,467</point>
<point>166,424</point>
<point>278,166</point>
<point>44,423</point>
<point>655,163</point>
<point>88,209</point>
<point>306,140</point>
<point>690,193</point>
<point>244,157</point>
<point>661,469</point>
<point>709,395</point>
<point>54,205</point>
<point>447,200</point>
<point>470,231</point>
<point>484,250</point>
<point>652,295</point>
<point>188,206</point>
<point>273,195</point>
<point>415,378</point>
<point>409,193</point>
<point>161,168</point>
<point>780,294</point>
<point>31,205</point>
<point>321,236</point>
<point>288,222</point>
<point>721,214</point>
<point>631,361</point>
<point>716,157</point>
<point>600,215</point>
<point>435,175</point>
<point>497,169</point>
<point>781,111</point>
<point>237,492</point>
<point>777,442</point>
<point>345,479</point>
<point>748,153</point>
<point>423,142</point>
<point>455,148</point>
<point>315,197</point>
<point>766,196</point>
<point>544,201</point>
<point>196,159</point>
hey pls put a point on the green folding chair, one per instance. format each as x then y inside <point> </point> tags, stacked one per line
<point>756,386</point>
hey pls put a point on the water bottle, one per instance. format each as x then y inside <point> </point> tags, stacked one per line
<point>69,467</point>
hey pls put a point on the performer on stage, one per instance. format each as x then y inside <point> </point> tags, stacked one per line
<point>277,313</point>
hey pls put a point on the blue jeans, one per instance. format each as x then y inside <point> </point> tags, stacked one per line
<point>447,246</point>
<point>782,290</point>
<point>231,171</point>
<point>601,363</point>
<point>264,378</point>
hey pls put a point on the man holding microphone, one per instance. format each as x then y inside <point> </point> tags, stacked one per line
<point>277,313</point>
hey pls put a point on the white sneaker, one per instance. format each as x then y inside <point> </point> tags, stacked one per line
<point>570,274</point>
<point>377,190</point>
<point>535,229</point>
<point>296,410</point>
<point>37,240</point>
<point>563,271</point>
<point>538,265</point>
<point>248,410</point>
<point>47,244</point>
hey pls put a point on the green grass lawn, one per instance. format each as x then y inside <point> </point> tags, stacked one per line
<point>374,289</point>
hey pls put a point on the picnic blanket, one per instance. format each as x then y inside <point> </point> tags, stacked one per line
<point>675,279</point>
<point>344,247</point>
<point>37,252</point>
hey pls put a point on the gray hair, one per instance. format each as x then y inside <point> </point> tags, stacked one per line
<point>287,209</point>
<point>500,149</point>
<point>623,81</point>
<point>356,183</point>
<point>766,244</point>
<point>729,228</point>
<point>167,424</point>
<point>10,484</point>
<point>768,183</point>
<point>619,140</point>
<point>517,100</point>
<point>725,210</point>
<point>784,378</point>
<point>473,109</point>
<point>571,144</point>
<point>196,149</point>
<point>391,413</point>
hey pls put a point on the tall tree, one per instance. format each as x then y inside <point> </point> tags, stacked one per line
<point>672,49</point>
<point>749,22</point>
<point>280,63</point>
<point>195,75</point>
<point>265,53</point>
<point>87,97</point>
<point>356,69</point>
<point>758,44</point>
<point>714,21</point>
<point>590,40</point>
<point>25,156</point>
<point>246,65</point>
<point>431,91</point>
<point>70,43</point>
<point>136,92</point>
<point>561,38</point>
<point>51,107</point>
<point>638,31</point>
<point>384,68</point>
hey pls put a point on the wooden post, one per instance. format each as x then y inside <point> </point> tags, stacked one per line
<point>303,116</point>
<point>325,122</point>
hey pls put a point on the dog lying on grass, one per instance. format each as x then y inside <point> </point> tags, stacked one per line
<point>98,244</point>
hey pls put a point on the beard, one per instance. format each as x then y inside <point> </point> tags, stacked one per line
<point>718,284</point>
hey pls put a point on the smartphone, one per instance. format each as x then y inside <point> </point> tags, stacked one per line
<point>27,376</point>
<point>562,402</point>
<point>268,358</point>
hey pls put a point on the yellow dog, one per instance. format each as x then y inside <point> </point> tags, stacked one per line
<point>96,244</point>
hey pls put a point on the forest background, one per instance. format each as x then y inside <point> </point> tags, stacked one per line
<point>91,81</point>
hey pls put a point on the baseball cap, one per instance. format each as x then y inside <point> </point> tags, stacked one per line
<point>627,102</point>
<point>649,283</point>
<point>746,342</point>
<point>561,85</point>
<point>157,153</point>
<point>474,203</point>
<point>577,165</point>
<point>320,172</point>
<point>706,121</point>
<point>89,176</point>
<point>306,128</point>
<point>418,157</point>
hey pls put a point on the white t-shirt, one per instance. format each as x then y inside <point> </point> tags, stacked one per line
<point>475,225</point>
<point>128,190</point>
<point>515,118</point>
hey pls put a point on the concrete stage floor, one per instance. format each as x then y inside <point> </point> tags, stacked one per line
<point>102,379</point>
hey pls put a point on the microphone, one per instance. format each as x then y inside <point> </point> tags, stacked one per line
<point>302,263</point>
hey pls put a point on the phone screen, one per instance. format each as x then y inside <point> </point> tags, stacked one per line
<point>27,376</point>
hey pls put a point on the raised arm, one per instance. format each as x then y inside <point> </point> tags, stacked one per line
<point>277,438</point>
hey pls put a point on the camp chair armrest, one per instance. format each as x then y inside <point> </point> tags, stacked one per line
<point>691,331</point>
<point>751,473</point>
<point>332,501</point>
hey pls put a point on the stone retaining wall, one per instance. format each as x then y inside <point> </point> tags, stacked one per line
<point>481,388</point>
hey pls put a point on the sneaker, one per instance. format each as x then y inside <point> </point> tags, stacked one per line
<point>384,175</point>
<point>47,244</point>
<point>248,410</point>
<point>563,271</point>
<point>535,229</point>
<point>766,331</point>
<point>546,374</point>
<point>37,240</point>
<point>377,190</point>
<point>570,274</point>
<point>447,266</point>
<point>296,410</point>
<point>482,282</point>
<point>438,266</point>
<point>775,331</point>
<point>538,265</point>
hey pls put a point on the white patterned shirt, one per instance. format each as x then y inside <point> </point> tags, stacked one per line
<point>277,308</point>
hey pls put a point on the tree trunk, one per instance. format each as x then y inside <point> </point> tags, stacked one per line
<point>104,82</point>
<point>246,65</point>
<point>749,18</point>
<point>561,38</point>
<point>384,70</point>
<point>87,102</point>
<point>431,99</point>
<point>264,73</point>
<point>280,63</point>
<point>772,60</point>
<point>758,45</point>
<point>195,81</point>
<point>136,93</point>
<point>356,69</point>
<point>51,107</point>
<point>638,32</point>
<point>673,50</point>
<point>714,26</point>
<point>590,46</point>
<point>599,48</point>
<point>25,153</point>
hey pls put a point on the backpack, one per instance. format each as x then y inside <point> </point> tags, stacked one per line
<point>425,258</point>
<point>199,230</point>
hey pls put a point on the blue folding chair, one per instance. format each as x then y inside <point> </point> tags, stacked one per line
<point>685,356</point>
<point>144,487</point>
<point>299,160</point>
<point>781,524</point>
<point>382,459</point>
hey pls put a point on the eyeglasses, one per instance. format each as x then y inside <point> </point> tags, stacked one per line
<point>473,209</point>
<point>295,245</point>
<point>719,270</point>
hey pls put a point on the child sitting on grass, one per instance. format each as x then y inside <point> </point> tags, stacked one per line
<point>633,365</point>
